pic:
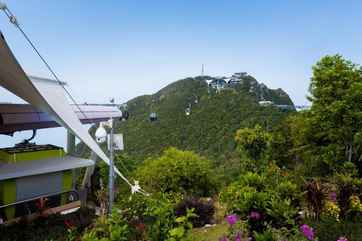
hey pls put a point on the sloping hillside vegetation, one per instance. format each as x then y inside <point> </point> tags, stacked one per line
<point>210,128</point>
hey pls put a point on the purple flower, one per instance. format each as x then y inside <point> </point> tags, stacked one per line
<point>307,231</point>
<point>224,239</point>
<point>254,215</point>
<point>333,196</point>
<point>238,237</point>
<point>342,239</point>
<point>250,239</point>
<point>232,219</point>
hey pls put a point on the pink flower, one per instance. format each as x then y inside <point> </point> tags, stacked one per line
<point>238,237</point>
<point>232,219</point>
<point>254,215</point>
<point>342,239</point>
<point>224,239</point>
<point>307,231</point>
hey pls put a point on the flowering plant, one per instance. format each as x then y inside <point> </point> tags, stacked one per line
<point>236,230</point>
<point>331,209</point>
<point>231,219</point>
<point>307,231</point>
<point>342,239</point>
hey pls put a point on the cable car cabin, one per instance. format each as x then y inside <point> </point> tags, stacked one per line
<point>153,117</point>
<point>125,115</point>
<point>188,111</point>
<point>37,180</point>
<point>40,179</point>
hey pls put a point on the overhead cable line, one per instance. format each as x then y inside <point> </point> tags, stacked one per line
<point>15,22</point>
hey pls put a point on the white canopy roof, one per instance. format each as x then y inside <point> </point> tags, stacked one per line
<point>30,168</point>
<point>20,117</point>
<point>47,97</point>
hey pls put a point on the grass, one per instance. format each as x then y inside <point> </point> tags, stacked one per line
<point>209,234</point>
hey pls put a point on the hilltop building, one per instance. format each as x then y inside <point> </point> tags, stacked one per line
<point>302,107</point>
<point>236,78</point>
<point>266,103</point>
<point>218,84</point>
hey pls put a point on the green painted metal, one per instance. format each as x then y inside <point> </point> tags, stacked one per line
<point>67,184</point>
<point>8,187</point>
<point>8,196</point>
<point>30,156</point>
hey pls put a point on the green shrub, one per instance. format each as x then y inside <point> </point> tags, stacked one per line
<point>154,217</point>
<point>114,228</point>
<point>347,186</point>
<point>178,172</point>
<point>183,229</point>
<point>253,141</point>
<point>273,234</point>
<point>263,199</point>
<point>329,229</point>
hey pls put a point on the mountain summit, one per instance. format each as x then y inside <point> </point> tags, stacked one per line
<point>201,114</point>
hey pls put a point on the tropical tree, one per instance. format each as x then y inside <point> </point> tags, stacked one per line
<point>253,141</point>
<point>336,114</point>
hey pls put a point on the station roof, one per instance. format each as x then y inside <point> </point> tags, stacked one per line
<point>38,167</point>
<point>21,117</point>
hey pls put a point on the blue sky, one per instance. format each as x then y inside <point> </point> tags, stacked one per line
<point>127,48</point>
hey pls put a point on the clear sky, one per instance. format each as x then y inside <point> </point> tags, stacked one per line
<point>123,49</point>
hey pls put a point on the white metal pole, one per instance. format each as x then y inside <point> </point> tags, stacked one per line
<point>111,169</point>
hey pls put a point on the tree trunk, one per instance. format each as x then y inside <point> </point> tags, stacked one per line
<point>350,152</point>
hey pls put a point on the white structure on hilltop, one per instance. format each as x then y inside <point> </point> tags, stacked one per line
<point>266,103</point>
<point>302,107</point>
<point>218,84</point>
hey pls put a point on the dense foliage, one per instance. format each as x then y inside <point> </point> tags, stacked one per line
<point>335,119</point>
<point>178,171</point>
<point>318,152</point>
<point>210,128</point>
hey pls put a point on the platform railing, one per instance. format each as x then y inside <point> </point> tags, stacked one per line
<point>75,196</point>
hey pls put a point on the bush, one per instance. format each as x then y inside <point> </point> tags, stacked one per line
<point>114,228</point>
<point>254,142</point>
<point>263,199</point>
<point>204,210</point>
<point>347,187</point>
<point>154,217</point>
<point>178,172</point>
<point>330,229</point>
<point>272,234</point>
<point>316,195</point>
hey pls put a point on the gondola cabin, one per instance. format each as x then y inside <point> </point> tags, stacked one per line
<point>41,179</point>
<point>37,179</point>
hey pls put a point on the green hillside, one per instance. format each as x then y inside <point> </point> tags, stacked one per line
<point>211,126</point>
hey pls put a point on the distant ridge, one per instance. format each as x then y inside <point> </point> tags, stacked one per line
<point>197,114</point>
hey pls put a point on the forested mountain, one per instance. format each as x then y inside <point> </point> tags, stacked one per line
<point>214,116</point>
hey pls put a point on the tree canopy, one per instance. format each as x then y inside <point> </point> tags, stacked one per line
<point>336,114</point>
<point>178,171</point>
